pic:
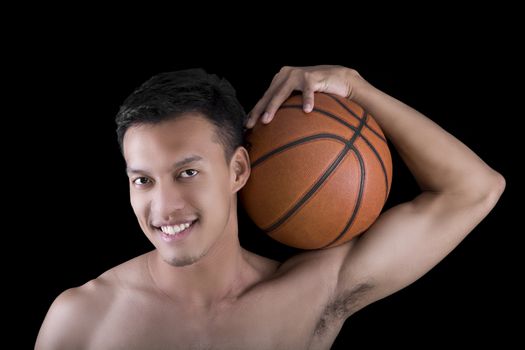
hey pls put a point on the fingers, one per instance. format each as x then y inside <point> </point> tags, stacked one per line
<point>286,81</point>
<point>261,106</point>
<point>308,100</point>
<point>275,102</point>
<point>255,113</point>
<point>279,97</point>
<point>267,105</point>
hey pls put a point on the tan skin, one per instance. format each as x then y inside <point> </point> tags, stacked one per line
<point>207,292</point>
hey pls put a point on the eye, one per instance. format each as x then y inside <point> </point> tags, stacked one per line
<point>195,172</point>
<point>141,181</point>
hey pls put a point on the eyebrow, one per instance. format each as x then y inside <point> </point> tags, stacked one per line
<point>187,160</point>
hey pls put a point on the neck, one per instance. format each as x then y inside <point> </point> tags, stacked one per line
<point>217,277</point>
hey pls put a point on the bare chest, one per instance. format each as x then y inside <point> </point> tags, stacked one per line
<point>253,323</point>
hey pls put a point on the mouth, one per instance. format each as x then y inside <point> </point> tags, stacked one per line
<point>169,234</point>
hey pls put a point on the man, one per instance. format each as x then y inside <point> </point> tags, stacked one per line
<point>181,136</point>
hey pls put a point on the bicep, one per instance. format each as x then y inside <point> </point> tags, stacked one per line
<point>406,242</point>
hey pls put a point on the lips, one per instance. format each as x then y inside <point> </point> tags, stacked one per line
<point>175,237</point>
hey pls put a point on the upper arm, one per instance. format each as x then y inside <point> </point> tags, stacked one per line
<point>404,243</point>
<point>70,320</point>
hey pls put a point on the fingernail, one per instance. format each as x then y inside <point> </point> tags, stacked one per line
<point>266,117</point>
<point>307,107</point>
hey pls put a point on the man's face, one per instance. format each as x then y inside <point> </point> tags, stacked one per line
<point>163,192</point>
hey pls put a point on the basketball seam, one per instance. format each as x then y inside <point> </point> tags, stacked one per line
<point>317,184</point>
<point>322,111</point>
<point>358,202</point>
<point>309,138</point>
<point>382,166</point>
<point>354,114</point>
<point>294,143</point>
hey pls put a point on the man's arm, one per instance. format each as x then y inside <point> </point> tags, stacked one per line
<point>405,242</point>
<point>458,191</point>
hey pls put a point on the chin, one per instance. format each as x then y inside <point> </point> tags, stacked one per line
<point>181,259</point>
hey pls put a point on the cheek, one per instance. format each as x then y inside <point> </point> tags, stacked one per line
<point>138,203</point>
<point>217,198</point>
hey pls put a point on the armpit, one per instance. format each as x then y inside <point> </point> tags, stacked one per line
<point>341,308</point>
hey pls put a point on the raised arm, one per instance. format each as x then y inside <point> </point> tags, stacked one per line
<point>405,242</point>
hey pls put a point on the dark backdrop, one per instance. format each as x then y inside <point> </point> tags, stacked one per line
<point>76,221</point>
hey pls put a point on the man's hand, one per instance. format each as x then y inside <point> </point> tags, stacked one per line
<point>336,80</point>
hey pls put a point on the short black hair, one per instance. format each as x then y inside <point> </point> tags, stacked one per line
<point>172,94</point>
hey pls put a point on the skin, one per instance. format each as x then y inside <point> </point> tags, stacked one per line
<point>207,292</point>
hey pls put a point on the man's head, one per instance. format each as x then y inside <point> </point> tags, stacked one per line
<point>171,118</point>
<point>172,94</point>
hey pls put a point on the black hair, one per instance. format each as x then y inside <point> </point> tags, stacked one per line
<point>172,94</point>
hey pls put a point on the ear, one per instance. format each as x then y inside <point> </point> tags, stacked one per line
<point>240,168</point>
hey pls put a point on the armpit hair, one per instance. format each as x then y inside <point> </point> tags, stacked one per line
<point>342,307</point>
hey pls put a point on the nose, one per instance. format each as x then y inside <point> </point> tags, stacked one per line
<point>168,199</point>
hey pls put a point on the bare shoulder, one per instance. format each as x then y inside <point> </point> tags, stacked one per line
<point>265,267</point>
<point>73,316</point>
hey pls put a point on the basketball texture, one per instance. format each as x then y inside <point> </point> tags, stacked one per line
<point>318,179</point>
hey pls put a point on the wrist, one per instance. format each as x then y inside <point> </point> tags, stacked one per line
<point>357,85</point>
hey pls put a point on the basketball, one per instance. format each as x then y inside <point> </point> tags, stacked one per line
<point>318,179</point>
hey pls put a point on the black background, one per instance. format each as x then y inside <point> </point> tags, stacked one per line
<point>74,221</point>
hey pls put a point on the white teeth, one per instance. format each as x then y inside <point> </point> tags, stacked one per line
<point>173,230</point>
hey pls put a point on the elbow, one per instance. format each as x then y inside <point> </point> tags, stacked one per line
<point>497,188</point>
<point>493,191</point>
<point>501,183</point>
<point>486,190</point>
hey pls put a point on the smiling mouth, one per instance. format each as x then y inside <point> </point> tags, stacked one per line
<point>175,230</point>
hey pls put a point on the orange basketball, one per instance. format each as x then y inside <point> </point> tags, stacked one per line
<point>318,179</point>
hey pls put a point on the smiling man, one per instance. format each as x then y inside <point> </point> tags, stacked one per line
<point>181,134</point>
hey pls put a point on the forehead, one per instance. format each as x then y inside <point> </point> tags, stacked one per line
<point>190,133</point>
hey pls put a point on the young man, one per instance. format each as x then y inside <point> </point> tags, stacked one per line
<point>181,136</point>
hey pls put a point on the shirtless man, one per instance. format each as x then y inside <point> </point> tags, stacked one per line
<point>199,289</point>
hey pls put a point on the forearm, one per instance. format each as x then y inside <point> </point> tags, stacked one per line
<point>438,161</point>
